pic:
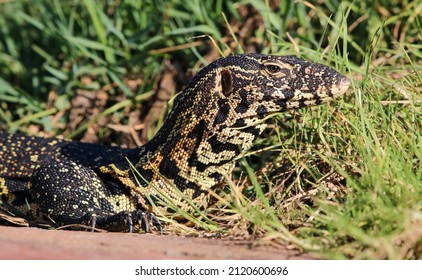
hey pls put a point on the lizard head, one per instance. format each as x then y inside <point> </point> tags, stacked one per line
<point>253,86</point>
<point>241,90</point>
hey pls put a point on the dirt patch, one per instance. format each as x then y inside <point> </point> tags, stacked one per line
<point>34,243</point>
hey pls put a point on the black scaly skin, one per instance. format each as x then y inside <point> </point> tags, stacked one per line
<point>214,122</point>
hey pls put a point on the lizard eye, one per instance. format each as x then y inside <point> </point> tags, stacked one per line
<point>273,69</point>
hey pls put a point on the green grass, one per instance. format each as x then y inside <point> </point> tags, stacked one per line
<point>343,180</point>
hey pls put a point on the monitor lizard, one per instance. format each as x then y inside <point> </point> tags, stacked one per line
<point>215,120</point>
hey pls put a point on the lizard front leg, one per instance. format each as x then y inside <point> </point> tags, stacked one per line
<point>70,193</point>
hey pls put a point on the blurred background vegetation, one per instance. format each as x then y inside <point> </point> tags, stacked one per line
<point>104,71</point>
<point>48,49</point>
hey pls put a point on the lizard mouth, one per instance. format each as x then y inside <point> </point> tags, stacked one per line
<point>339,88</point>
<point>306,97</point>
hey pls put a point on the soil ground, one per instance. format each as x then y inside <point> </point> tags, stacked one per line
<point>34,243</point>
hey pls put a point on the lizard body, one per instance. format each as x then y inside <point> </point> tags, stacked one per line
<point>213,123</point>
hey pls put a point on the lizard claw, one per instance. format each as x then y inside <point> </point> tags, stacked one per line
<point>155,222</point>
<point>93,221</point>
<point>145,218</point>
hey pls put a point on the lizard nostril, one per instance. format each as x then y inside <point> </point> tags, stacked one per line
<point>309,71</point>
